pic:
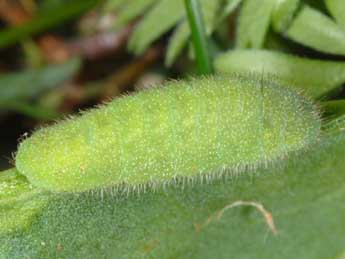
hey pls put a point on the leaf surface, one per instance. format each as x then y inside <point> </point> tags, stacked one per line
<point>253,23</point>
<point>30,83</point>
<point>315,30</point>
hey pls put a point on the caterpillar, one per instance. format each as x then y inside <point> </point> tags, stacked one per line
<point>202,126</point>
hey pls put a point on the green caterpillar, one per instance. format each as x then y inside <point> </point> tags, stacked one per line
<point>197,127</point>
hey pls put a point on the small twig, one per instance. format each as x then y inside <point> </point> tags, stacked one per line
<point>266,214</point>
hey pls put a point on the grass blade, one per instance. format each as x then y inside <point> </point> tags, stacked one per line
<point>199,39</point>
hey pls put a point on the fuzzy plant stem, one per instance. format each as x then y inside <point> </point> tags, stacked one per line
<point>199,39</point>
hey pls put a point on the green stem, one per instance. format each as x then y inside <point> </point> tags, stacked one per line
<point>199,39</point>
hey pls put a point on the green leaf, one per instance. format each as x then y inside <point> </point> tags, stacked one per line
<point>35,111</point>
<point>18,89</point>
<point>20,202</point>
<point>177,43</point>
<point>315,77</point>
<point>28,84</point>
<point>47,5</point>
<point>130,10</point>
<point>44,21</point>
<point>114,4</point>
<point>229,7</point>
<point>283,14</point>
<point>304,193</point>
<point>32,53</point>
<point>315,30</point>
<point>337,9</point>
<point>253,23</point>
<point>161,18</point>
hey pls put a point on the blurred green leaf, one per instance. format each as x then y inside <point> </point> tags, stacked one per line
<point>229,7</point>
<point>304,193</point>
<point>33,55</point>
<point>253,23</point>
<point>132,9</point>
<point>314,29</point>
<point>28,84</point>
<point>177,42</point>
<point>337,9</point>
<point>32,110</point>
<point>283,14</point>
<point>46,5</point>
<point>315,77</point>
<point>290,18</point>
<point>45,20</point>
<point>18,89</point>
<point>161,18</point>
<point>114,4</point>
<point>301,23</point>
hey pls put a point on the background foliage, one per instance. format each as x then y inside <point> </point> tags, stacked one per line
<point>59,56</point>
